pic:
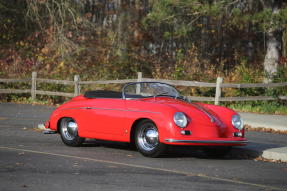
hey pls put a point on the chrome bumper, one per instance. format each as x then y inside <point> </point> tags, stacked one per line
<point>206,141</point>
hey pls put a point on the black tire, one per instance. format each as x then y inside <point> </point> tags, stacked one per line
<point>69,132</point>
<point>147,139</point>
<point>217,152</point>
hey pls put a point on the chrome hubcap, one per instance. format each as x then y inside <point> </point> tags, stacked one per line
<point>148,137</point>
<point>72,128</point>
<point>69,129</point>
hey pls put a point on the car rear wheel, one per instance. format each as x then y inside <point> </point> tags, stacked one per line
<point>69,132</point>
<point>147,139</point>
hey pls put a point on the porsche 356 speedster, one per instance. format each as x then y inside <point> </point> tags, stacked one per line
<point>150,115</point>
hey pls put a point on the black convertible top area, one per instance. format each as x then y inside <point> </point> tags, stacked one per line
<point>103,94</point>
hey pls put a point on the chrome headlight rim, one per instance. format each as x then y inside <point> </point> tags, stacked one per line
<point>237,122</point>
<point>180,119</point>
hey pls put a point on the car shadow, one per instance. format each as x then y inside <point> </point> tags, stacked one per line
<point>109,144</point>
<point>199,152</point>
<point>251,151</point>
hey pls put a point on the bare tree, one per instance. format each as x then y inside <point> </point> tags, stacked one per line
<point>274,44</point>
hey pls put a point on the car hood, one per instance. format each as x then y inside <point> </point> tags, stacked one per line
<point>196,111</point>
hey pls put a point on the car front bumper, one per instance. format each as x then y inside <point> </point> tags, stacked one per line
<point>217,141</point>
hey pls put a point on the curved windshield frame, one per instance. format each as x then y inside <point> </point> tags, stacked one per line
<point>148,89</point>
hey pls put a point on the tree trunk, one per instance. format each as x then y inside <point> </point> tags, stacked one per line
<point>272,57</point>
<point>205,38</point>
<point>284,44</point>
<point>123,33</point>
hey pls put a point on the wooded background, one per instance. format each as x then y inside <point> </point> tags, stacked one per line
<point>240,40</point>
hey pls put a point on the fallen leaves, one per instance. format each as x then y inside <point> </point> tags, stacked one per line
<point>260,158</point>
<point>263,129</point>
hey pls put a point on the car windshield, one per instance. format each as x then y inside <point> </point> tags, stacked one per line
<point>149,89</point>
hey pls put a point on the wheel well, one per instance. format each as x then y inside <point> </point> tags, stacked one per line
<point>58,123</point>
<point>133,129</point>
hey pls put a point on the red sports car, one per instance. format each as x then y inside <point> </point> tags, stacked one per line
<point>150,115</point>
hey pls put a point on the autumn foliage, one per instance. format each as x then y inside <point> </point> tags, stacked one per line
<point>113,39</point>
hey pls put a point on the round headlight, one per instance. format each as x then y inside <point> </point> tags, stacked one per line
<point>180,119</point>
<point>237,122</point>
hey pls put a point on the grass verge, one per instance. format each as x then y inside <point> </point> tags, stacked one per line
<point>264,107</point>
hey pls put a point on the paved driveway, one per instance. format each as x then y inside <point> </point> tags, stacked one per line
<point>30,160</point>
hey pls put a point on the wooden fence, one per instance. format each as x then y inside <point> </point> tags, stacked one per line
<point>77,87</point>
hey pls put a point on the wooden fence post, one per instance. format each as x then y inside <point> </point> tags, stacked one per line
<point>138,90</point>
<point>140,76</point>
<point>34,85</point>
<point>77,85</point>
<point>219,81</point>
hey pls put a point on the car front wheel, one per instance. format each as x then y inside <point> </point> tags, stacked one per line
<point>147,139</point>
<point>69,132</point>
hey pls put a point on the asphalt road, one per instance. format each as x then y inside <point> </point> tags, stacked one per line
<point>30,160</point>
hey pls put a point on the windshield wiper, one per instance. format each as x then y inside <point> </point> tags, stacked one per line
<point>175,96</point>
<point>161,94</point>
<point>184,98</point>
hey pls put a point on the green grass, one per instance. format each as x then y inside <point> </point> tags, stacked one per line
<point>29,100</point>
<point>260,107</point>
<point>40,100</point>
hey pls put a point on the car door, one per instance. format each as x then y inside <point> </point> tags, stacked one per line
<point>105,119</point>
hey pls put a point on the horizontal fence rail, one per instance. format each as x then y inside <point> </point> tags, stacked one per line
<point>14,80</point>
<point>63,82</point>
<point>77,87</point>
<point>14,91</point>
<point>182,83</point>
<point>104,82</point>
<point>253,85</point>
